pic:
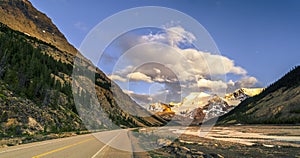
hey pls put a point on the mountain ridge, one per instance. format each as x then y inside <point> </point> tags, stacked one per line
<point>277,104</point>
<point>22,16</point>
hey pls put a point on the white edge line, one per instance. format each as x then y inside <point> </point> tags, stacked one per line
<point>106,145</point>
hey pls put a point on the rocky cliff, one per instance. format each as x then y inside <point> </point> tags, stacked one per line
<point>20,15</point>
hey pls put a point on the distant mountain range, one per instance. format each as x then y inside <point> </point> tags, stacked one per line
<point>277,104</point>
<point>202,106</point>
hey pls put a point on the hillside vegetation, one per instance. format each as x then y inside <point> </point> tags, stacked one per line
<point>32,98</point>
<point>277,104</point>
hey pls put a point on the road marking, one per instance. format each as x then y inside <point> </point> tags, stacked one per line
<point>42,143</point>
<point>105,145</point>
<point>62,148</point>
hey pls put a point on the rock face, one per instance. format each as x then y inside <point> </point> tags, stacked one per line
<point>20,15</point>
<point>279,103</point>
<point>240,95</point>
<point>38,94</point>
<point>216,107</point>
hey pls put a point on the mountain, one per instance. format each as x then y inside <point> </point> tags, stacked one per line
<point>36,65</point>
<point>20,15</point>
<point>192,101</point>
<point>200,106</point>
<point>277,104</point>
<point>215,107</point>
<point>241,94</point>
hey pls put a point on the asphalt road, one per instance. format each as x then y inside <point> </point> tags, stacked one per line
<point>83,146</point>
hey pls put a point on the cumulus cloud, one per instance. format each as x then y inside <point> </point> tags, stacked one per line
<point>244,82</point>
<point>213,85</point>
<point>127,91</point>
<point>205,63</point>
<point>174,36</point>
<point>230,83</point>
<point>117,78</point>
<point>154,37</point>
<point>158,71</point>
<point>158,58</point>
<point>182,63</point>
<point>178,35</point>
<point>138,76</point>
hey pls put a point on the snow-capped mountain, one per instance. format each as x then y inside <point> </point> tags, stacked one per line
<point>239,95</point>
<point>191,102</point>
<point>202,106</point>
<point>214,107</point>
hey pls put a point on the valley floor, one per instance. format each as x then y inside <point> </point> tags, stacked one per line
<point>235,141</point>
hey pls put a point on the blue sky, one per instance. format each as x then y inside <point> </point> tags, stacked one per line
<point>261,36</point>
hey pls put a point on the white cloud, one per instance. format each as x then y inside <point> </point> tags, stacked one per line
<point>230,83</point>
<point>185,63</point>
<point>205,63</point>
<point>117,78</point>
<point>158,79</point>
<point>158,58</point>
<point>213,85</point>
<point>128,91</point>
<point>157,70</point>
<point>237,70</point>
<point>172,35</point>
<point>154,37</point>
<point>138,76</point>
<point>177,35</point>
<point>244,82</point>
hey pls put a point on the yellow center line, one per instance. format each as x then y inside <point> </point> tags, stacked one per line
<point>62,148</point>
